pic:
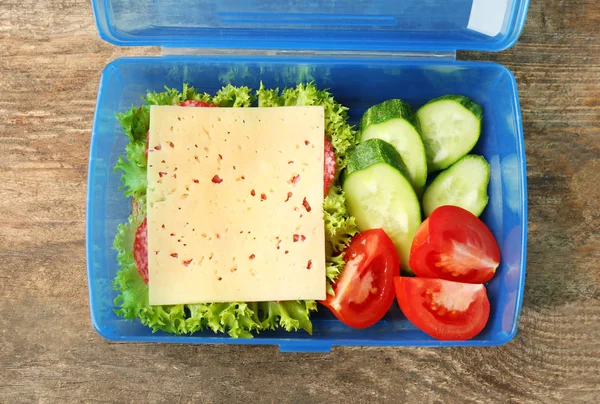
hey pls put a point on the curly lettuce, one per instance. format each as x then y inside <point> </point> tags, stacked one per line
<point>237,319</point>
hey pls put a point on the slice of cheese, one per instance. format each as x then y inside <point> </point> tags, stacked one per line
<point>235,201</point>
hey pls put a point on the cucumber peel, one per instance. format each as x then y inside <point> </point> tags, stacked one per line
<point>395,122</point>
<point>463,184</point>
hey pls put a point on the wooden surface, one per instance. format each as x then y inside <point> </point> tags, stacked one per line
<point>50,62</point>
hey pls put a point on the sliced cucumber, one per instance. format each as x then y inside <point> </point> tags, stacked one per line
<point>379,194</point>
<point>450,126</point>
<point>395,122</point>
<point>464,184</point>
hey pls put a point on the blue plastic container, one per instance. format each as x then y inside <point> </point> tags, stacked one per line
<point>405,52</point>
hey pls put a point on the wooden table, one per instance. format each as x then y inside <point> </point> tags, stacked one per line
<point>50,62</point>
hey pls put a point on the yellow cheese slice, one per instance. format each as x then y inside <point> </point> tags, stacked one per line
<point>235,201</point>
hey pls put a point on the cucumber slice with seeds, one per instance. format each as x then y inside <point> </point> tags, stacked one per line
<point>464,184</point>
<point>450,126</point>
<point>379,194</point>
<point>395,122</point>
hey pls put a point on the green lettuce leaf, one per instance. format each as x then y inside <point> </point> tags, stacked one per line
<point>291,315</point>
<point>133,178</point>
<point>339,225</point>
<point>133,170</point>
<point>172,96</point>
<point>135,123</point>
<point>268,97</point>
<point>230,96</point>
<point>236,319</point>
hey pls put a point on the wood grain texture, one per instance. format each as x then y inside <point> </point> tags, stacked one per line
<point>50,65</point>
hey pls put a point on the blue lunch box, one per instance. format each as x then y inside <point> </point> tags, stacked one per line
<point>363,51</point>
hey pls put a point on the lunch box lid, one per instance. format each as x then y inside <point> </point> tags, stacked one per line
<point>355,26</point>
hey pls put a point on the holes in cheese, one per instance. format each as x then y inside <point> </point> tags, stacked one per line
<point>245,173</point>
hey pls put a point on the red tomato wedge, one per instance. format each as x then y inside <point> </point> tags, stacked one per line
<point>443,309</point>
<point>364,291</point>
<point>140,250</point>
<point>456,245</point>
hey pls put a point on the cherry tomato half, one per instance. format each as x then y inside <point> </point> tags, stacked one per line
<point>364,291</point>
<point>443,309</point>
<point>456,245</point>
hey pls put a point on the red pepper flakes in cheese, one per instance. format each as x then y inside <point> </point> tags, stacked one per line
<point>298,237</point>
<point>306,205</point>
